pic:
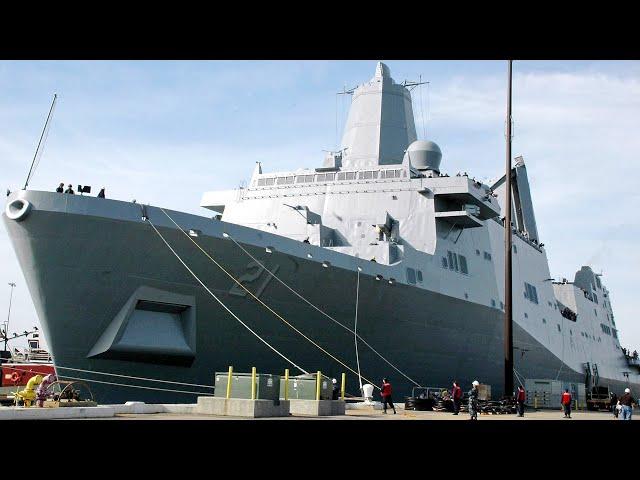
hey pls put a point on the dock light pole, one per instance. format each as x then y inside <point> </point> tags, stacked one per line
<point>6,325</point>
<point>508,271</point>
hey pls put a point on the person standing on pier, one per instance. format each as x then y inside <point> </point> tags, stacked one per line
<point>520,398</point>
<point>566,403</point>
<point>456,396</point>
<point>473,400</point>
<point>627,402</point>
<point>385,392</point>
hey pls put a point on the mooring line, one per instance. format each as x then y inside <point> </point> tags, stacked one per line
<point>264,304</point>
<point>323,313</point>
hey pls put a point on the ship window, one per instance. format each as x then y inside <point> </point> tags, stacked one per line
<point>450,256</point>
<point>463,264</point>
<point>33,344</point>
<point>281,180</point>
<point>320,177</point>
<point>411,276</point>
<point>598,282</point>
<point>614,332</point>
<point>570,332</point>
<point>530,293</point>
<point>342,176</point>
<point>368,175</point>
<point>269,181</point>
<point>330,177</point>
<point>310,178</point>
<point>261,182</point>
<point>595,312</point>
<point>361,175</point>
<point>290,180</point>
<point>419,273</point>
<point>444,262</point>
<point>595,298</point>
<point>351,175</point>
<point>559,329</point>
<point>493,302</point>
<point>477,252</point>
<point>515,249</point>
<point>544,320</point>
<point>526,315</point>
<point>383,174</point>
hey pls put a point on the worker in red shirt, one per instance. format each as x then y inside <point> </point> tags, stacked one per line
<point>566,403</point>
<point>456,396</point>
<point>385,392</point>
<point>520,398</point>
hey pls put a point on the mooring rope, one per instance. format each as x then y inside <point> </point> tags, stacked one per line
<point>135,378</point>
<point>323,312</point>
<point>222,303</point>
<point>264,304</point>
<point>134,386</point>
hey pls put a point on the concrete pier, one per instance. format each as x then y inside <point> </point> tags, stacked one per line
<point>317,408</point>
<point>241,407</point>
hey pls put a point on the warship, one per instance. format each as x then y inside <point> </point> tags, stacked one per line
<point>376,263</point>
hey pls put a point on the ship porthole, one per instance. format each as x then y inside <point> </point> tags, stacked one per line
<point>18,209</point>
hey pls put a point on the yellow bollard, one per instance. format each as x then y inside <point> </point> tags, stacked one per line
<point>318,380</point>
<point>253,383</point>
<point>344,384</point>
<point>535,402</point>
<point>229,382</point>
<point>286,384</point>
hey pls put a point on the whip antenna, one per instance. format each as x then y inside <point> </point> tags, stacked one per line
<point>43,139</point>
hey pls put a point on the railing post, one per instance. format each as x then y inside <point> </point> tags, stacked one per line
<point>318,380</point>
<point>286,384</point>
<point>253,383</point>
<point>229,376</point>
<point>344,384</point>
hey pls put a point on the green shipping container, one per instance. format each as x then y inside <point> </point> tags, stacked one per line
<point>267,386</point>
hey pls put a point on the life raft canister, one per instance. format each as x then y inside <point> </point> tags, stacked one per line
<point>15,376</point>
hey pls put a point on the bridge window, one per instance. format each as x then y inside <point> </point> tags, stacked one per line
<point>351,175</point>
<point>419,273</point>
<point>330,177</point>
<point>342,176</point>
<point>444,262</point>
<point>269,181</point>
<point>261,182</point>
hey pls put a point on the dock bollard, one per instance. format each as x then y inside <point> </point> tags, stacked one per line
<point>318,380</point>
<point>253,383</point>
<point>286,384</point>
<point>229,381</point>
<point>344,383</point>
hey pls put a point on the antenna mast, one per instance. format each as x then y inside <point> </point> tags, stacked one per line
<point>40,142</point>
<point>508,297</point>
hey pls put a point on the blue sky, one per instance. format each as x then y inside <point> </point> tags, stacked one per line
<point>163,132</point>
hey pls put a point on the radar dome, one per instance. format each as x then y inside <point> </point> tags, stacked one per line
<point>424,155</point>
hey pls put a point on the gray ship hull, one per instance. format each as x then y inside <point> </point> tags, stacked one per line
<point>85,258</point>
